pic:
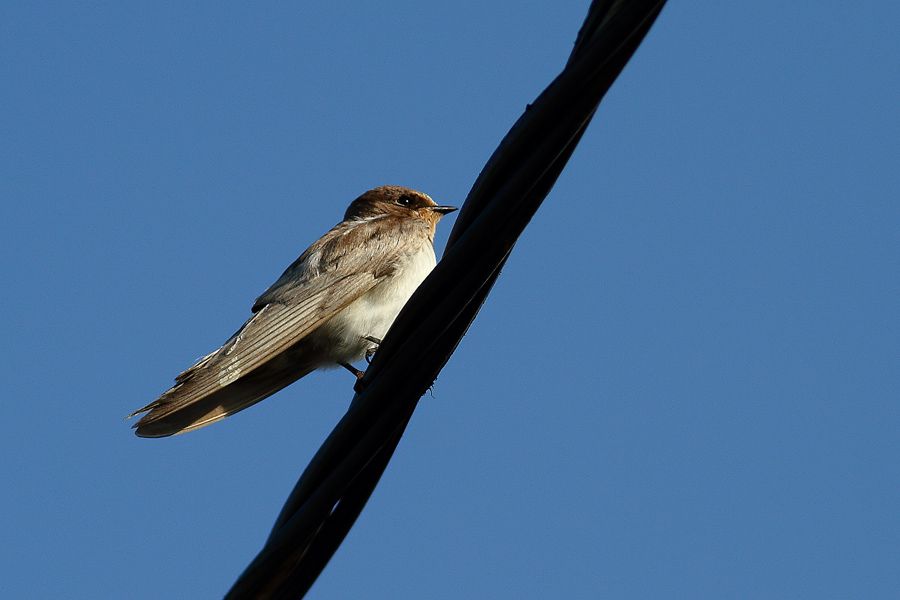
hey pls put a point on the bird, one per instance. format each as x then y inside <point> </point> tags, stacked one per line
<point>331,307</point>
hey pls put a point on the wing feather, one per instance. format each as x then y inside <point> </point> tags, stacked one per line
<point>266,335</point>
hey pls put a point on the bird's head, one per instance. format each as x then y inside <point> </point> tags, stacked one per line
<point>398,201</point>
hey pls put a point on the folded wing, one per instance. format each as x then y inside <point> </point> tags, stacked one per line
<point>255,362</point>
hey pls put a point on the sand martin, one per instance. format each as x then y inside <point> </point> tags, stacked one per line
<point>330,307</point>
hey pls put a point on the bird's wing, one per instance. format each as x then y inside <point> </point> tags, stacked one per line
<point>324,280</point>
<point>263,338</point>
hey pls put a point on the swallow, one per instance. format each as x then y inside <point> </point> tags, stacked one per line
<point>331,307</point>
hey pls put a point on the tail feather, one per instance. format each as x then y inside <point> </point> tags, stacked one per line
<point>167,416</point>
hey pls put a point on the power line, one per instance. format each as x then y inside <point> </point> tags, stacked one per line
<point>339,480</point>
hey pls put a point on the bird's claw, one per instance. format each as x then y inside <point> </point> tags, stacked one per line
<point>370,352</point>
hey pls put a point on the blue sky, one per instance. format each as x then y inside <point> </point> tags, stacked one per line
<point>685,383</point>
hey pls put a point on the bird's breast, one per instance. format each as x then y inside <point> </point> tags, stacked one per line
<point>373,313</point>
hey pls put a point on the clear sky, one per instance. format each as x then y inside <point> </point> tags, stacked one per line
<point>684,385</point>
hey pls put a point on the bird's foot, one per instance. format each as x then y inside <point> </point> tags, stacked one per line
<point>359,374</point>
<point>358,386</point>
<point>370,352</point>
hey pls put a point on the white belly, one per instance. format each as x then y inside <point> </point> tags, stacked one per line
<point>374,312</point>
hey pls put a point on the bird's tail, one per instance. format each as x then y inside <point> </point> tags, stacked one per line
<point>168,416</point>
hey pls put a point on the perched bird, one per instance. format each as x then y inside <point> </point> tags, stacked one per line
<point>331,307</point>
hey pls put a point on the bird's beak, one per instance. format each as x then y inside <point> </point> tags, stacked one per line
<point>443,210</point>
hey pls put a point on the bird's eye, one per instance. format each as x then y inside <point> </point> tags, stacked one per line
<point>404,200</point>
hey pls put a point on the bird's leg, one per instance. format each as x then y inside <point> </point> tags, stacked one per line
<point>371,351</point>
<point>357,387</point>
<point>359,374</point>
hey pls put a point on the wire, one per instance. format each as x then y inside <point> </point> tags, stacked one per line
<point>340,478</point>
